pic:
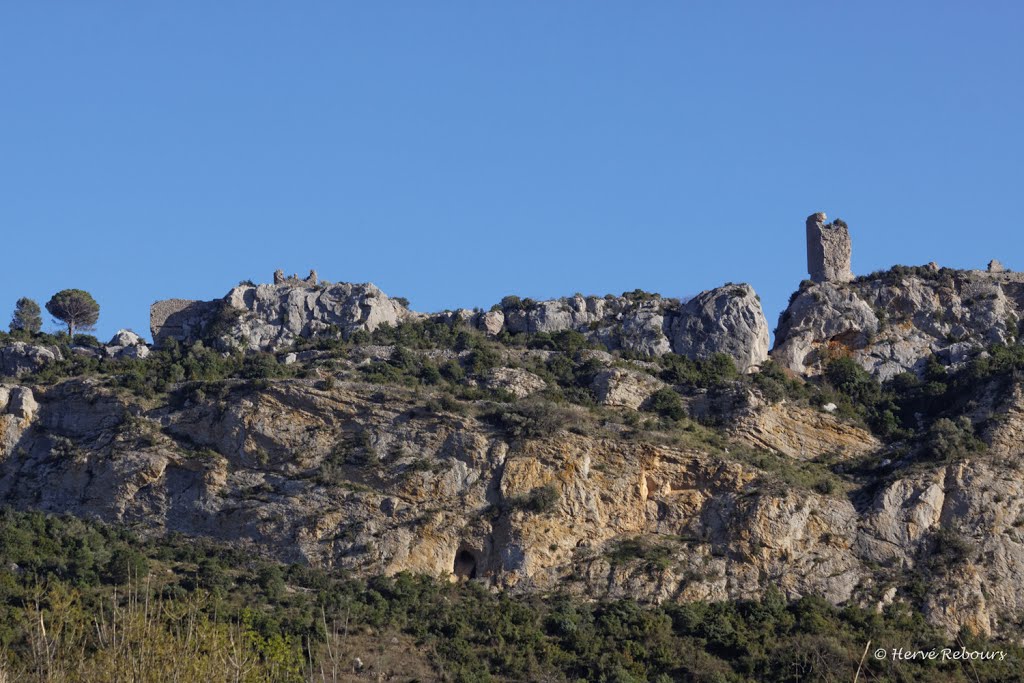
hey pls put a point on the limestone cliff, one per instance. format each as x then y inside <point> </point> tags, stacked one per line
<point>336,472</point>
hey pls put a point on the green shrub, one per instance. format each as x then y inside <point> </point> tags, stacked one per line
<point>717,369</point>
<point>541,500</point>
<point>667,403</point>
<point>530,419</point>
<point>949,440</point>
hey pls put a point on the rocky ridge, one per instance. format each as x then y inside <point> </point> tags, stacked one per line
<point>269,317</point>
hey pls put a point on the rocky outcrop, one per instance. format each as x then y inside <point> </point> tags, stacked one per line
<point>516,381</point>
<point>126,344</point>
<point>18,407</point>
<point>268,317</point>
<point>892,322</point>
<point>624,388</point>
<point>802,433</point>
<point>20,358</point>
<point>634,323</point>
<point>728,320</point>
<point>272,316</point>
<point>182,320</point>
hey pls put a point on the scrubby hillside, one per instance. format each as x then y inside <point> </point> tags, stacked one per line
<point>536,462</point>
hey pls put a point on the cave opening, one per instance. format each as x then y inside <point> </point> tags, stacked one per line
<point>465,565</point>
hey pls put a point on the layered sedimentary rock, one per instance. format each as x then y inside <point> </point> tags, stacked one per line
<point>363,477</point>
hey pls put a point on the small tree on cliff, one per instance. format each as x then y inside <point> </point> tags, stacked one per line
<point>27,317</point>
<point>75,308</point>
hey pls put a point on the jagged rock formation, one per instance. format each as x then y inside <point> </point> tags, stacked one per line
<point>828,250</point>
<point>273,316</point>
<point>727,320</point>
<point>266,317</point>
<point>892,322</point>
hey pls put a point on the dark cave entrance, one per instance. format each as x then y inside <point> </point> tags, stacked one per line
<point>465,565</point>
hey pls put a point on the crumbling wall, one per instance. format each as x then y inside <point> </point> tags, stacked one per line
<point>828,250</point>
<point>180,319</point>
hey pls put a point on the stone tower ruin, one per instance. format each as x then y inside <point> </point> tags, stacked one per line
<point>828,250</point>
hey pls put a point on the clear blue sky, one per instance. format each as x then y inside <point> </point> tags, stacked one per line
<point>455,152</point>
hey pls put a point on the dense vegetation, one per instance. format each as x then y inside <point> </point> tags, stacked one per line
<point>82,601</point>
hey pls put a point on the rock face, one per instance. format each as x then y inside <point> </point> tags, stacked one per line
<point>802,433</point>
<point>267,317</point>
<point>272,466</point>
<point>271,316</point>
<point>828,250</point>
<point>624,388</point>
<point>891,322</point>
<point>18,407</point>
<point>728,320</point>
<point>19,358</point>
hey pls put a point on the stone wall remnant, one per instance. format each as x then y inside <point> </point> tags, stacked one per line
<point>828,250</point>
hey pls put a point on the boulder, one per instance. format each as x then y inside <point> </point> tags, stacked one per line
<point>125,338</point>
<point>624,388</point>
<point>492,322</point>
<point>22,403</point>
<point>126,344</point>
<point>516,381</point>
<point>726,320</point>
<point>20,358</point>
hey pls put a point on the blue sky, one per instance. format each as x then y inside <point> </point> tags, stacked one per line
<point>455,152</point>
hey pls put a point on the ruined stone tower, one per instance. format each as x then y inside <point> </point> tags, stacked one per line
<point>828,250</point>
